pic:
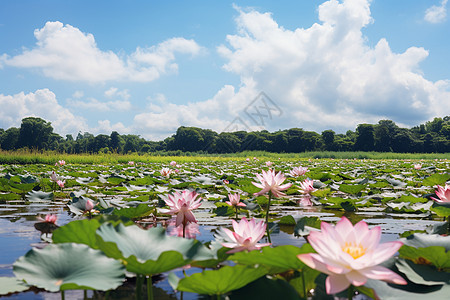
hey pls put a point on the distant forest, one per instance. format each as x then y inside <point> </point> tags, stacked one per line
<point>385,136</point>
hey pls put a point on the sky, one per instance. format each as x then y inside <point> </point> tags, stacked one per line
<point>149,67</point>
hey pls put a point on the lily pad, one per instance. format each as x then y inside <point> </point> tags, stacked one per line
<point>149,251</point>
<point>218,282</point>
<point>68,267</point>
<point>39,196</point>
<point>12,285</point>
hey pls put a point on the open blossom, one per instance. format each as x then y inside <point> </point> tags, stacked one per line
<point>269,163</point>
<point>307,186</point>
<point>166,172</point>
<point>235,200</point>
<point>131,163</point>
<point>61,183</point>
<point>181,205</point>
<point>60,163</point>
<point>443,193</point>
<point>173,163</point>
<point>51,218</point>
<point>298,171</point>
<point>350,254</point>
<point>271,182</point>
<point>417,166</point>
<point>245,236</point>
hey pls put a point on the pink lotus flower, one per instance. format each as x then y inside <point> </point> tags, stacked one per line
<point>61,183</point>
<point>51,218</point>
<point>176,171</point>
<point>350,254</point>
<point>298,171</point>
<point>54,177</point>
<point>173,163</point>
<point>417,166</point>
<point>60,163</point>
<point>181,205</point>
<point>247,159</point>
<point>271,182</point>
<point>225,181</point>
<point>166,172</point>
<point>131,163</point>
<point>245,236</point>
<point>443,193</point>
<point>307,186</point>
<point>235,200</point>
<point>269,163</point>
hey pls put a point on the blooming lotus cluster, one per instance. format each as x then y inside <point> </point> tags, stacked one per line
<point>298,171</point>
<point>166,172</point>
<point>307,186</point>
<point>60,163</point>
<point>182,206</point>
<point>245,236</point>
<point>271,182</point>
<point>235,200</point>
<point>443,193</point>
<point>350,254</point>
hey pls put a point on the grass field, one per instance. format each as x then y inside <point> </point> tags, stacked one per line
<point>49,157</point>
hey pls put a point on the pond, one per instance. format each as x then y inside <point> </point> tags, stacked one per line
<point>391,194</point>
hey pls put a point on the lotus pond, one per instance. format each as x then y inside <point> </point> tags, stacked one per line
<point>119,231</point>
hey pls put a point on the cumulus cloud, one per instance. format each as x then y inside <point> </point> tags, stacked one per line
<point>64,52</point>
<point>43,104</point>
<point>327,76</point>
<point>100,106</point>
<point>436,14</point>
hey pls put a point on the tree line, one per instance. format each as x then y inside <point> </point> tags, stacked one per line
<point>385,136</point>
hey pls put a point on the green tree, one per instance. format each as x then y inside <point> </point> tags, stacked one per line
<point>328,137</point>
<point>35,133</point>
<point>10,138</point>
<point>365,140</point>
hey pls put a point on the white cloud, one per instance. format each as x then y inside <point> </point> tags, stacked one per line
<point>436,14</point>
<point>43,104</point>
<point>115,92</point>
<point>63,52</point>
<point>99,106</point>
<point>78,94</point>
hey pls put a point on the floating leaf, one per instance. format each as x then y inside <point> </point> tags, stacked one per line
<point>305,225</point>
<point>287,220</point>
<point>12,285</point>
<point>351,189</point>
<point>218,282</point>
<point>436,179</point>
<point>433,255</point>
<point>149,251</point>
<point>277,260</point>
<point>39,196</point>
<point>422,274</point>
<point>142,210</point>
<point>68,267</point>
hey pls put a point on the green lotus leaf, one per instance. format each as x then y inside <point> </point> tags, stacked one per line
<point>351,188</point>
<point>435,255</point>
<point>436,179</point>
<point>278,259</point>
<point>426,240</point>
<point>442,210</point>
<point>149,251</point>
<point>218,282</point>
<point>305,225</point>
<point>69,266</point>
<point>142,210</point>
<point>39,196</point>
<point>422,274</point>
<point>287,220</point>
<point>264,288</point>
<point>22,187</point>
<point>79,231</point>
<point>12,285</point>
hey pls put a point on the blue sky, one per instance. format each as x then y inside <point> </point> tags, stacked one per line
<point>148,67</point>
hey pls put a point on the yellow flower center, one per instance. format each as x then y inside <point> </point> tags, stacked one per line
<point>354,250</point>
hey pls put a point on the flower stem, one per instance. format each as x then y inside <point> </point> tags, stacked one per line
<point>267,217</point>
<point>350,292</point>
<point>236,208</point>
<point>138,286</point>
<point>149,288</point>
<point>62,295</point>
<point>303,283</point>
